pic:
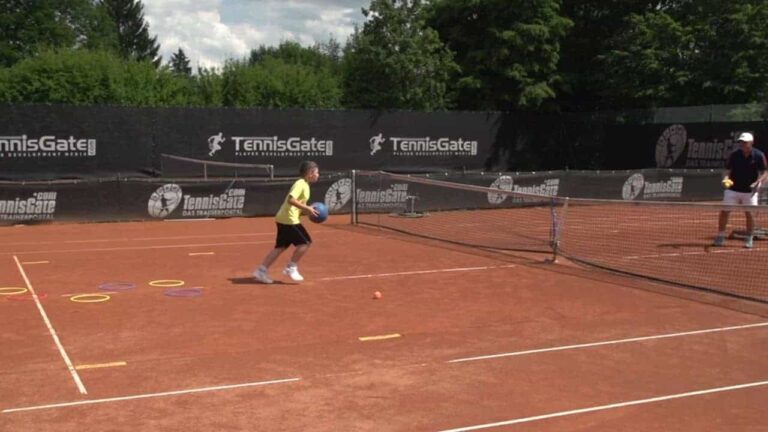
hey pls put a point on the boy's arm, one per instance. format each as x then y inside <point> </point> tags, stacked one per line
<point>296,203</point>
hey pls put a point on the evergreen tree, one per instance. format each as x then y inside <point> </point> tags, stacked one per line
<point>134,41</point>
<point>180,63</point>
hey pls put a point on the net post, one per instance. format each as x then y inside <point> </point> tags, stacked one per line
<point>353,211</point>
<point>557,228</point>
<point>205,171</point>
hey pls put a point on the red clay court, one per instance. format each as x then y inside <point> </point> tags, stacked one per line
<point>158,326</point>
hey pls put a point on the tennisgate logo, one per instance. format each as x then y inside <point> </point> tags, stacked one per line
<point>22,146</point>
<point>676,141</point>
<point>636,185</point>
<point>547,187</point>
<point>39,206</point>
<point>273,146</point>
<point>340,193</point>
<point>423,146</point>
<point>167,198</point>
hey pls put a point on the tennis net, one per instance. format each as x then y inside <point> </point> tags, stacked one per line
<point>180,166</point>
<point>663,241</point>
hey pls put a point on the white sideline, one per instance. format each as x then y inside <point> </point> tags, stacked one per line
<point>609,342</point>
<point>607,407</point>
<point>149,395</point>
<point>51,330</point>
<point>415,272</point>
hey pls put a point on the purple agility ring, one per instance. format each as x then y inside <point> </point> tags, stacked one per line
<point>117,286</point>
<point>184,292</point>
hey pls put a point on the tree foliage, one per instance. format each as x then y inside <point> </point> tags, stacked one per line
<point>508,50</point>
<point>81,77</point>
<point>396,60</point>
<point>276,83</point>
<point>134,40</point>
<point>27,27</point>
<point>180,63</point>
<point>678,53</point>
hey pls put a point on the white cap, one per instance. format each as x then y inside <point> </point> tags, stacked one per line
<point>746,136</point>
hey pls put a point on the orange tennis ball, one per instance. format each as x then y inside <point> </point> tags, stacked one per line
<point>377,295</point>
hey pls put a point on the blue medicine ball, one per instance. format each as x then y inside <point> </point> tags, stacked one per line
<point>322,213</point>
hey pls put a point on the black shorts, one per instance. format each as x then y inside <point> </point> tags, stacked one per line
<point>291,235</point>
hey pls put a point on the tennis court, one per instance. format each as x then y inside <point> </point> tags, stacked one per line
<point>159,326</point>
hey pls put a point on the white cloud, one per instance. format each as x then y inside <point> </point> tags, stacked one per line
<point>212,31</point>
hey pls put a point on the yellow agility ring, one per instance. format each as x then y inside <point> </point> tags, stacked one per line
<point>12,290</point>
<point>167,283</point>
<point>89,298</point>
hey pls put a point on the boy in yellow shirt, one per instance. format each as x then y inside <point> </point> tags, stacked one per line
<point>290,231</point>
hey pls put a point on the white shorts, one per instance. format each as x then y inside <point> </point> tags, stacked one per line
<point>736,198</point>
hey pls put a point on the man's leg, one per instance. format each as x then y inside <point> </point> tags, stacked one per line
<point>722,223</point>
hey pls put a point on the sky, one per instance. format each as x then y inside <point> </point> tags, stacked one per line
<point>211,31</point>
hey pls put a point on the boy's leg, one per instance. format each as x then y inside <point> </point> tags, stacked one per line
<point>301,241</point>
<point>261,273</point>
<point>272,256</point>
<point>298,253</point>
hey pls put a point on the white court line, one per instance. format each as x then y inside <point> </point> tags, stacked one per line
<point>51,330</point>
<point>189,220</point>
<point>607,407</point>
<point>456,269</point>
<point>609,342</point>
<point>742,250</point>
<point>136,248</point>
<point>149,395</point>
<point>113,240</point>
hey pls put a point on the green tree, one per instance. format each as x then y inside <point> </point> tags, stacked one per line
<point>396,60</point>
<point>90,77</point>
<point>180,63</point>
<point>690,53</point>
<point>275,83</point>
<point>134,41</point>
<point>209,87</point>
<point>29,26</point>
<point>595,24</point>
<point>508,50</point>
<point>293,53</point>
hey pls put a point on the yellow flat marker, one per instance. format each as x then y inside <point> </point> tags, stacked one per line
<point>101,365</point>
<point>91,294</point>
<point>90,298</point>
<point>201,253</point>
<point>380,337</point>
<point>12,290</point>
<point>35,262</point>
<point>166,283</point>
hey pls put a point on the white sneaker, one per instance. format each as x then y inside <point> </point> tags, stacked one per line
<point>293,272</point>
<point>262,277</point>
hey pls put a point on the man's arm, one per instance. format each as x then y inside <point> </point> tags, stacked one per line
<point>762,177</point>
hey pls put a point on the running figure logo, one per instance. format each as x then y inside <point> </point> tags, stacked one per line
<point>670,146</point>
<point>164,200</point>
<point>339,194</point>
<point>376,143</point>
<point>214,143</point>
<point>632,187</point>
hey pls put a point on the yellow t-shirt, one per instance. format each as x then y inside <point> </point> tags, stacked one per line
<point>289,214</point>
